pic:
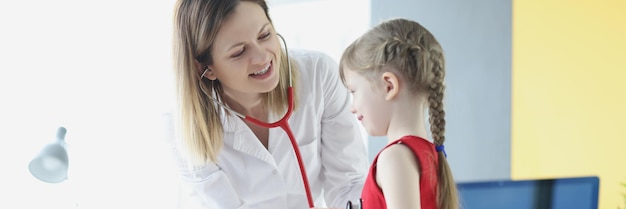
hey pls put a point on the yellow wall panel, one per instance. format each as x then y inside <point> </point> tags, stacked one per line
<point>569,92</point>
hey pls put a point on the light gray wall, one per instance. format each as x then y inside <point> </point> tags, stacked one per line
<point>476,38</point>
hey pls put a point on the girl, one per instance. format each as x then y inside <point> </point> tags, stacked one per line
<point>395,73</point>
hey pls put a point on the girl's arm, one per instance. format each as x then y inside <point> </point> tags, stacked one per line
<point>397,168</point>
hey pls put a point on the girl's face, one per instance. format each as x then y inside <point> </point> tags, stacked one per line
<point>368,103</point>
<point>246,53</point>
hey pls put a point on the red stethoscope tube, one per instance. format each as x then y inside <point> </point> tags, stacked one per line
<point>285,126</point>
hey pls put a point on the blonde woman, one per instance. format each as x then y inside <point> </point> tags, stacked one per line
<point>229,65</point>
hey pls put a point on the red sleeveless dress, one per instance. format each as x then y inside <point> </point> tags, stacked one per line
<point>372,196</point>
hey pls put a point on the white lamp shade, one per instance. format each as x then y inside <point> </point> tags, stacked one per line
<point>52,162</point>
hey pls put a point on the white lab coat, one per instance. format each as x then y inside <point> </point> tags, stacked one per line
<point>247,175</point>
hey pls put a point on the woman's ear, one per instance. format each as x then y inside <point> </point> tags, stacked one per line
<point>209,73</point>
<point>204,70</point>
<point>392,86</point>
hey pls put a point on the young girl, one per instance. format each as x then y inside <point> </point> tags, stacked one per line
<point>395,73</point>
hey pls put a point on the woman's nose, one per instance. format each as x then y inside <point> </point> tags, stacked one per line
<point>259,55</point>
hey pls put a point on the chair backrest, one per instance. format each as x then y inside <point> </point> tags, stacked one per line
<point>556,193</point>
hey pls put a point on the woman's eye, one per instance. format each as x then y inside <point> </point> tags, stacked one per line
<point>265,36</point>
<point>238,54</point>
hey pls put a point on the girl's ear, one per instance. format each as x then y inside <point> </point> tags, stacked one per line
<point>391,83</point>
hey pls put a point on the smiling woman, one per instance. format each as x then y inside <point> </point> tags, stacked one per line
<point>225,51</point>
<point>100,70</point>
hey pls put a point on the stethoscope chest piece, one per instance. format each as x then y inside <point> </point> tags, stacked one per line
<point>351,205</point>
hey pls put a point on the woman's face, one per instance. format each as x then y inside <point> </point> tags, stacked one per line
<point>246,53</point>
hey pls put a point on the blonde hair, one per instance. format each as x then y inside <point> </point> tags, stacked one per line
<point>196,23</point>
<point>415,54</point>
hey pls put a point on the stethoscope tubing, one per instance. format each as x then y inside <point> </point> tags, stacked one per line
<point>282,123</point>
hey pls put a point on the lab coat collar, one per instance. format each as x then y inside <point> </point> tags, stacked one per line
<point>240,137</point>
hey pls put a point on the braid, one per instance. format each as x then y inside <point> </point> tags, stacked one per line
<point>407,55</point>
<point>435,100</point>
<point>403,55</point>
<point>397,48</point>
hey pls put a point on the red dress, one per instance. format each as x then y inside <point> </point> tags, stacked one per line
<point>372,196</point>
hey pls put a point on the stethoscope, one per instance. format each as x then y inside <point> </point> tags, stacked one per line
<point>280,123</point>
<point>358,205</point>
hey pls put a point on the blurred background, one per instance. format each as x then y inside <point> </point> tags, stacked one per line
<point>534,90</point>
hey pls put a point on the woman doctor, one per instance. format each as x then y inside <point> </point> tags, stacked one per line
<point>229,64</point>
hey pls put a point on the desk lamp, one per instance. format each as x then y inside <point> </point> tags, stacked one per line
<point>51,164</point>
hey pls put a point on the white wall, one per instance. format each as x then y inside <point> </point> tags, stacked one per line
<point>98,68</point>
<point>324,25</point>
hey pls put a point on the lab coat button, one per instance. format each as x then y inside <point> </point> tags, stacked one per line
<point>275,172</point>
